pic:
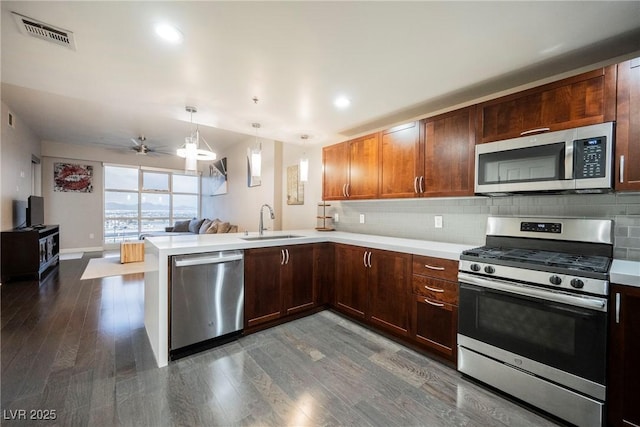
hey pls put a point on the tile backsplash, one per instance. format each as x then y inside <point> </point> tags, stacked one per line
<point>464,219</point>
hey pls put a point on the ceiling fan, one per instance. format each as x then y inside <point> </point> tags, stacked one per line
<point>140,147</point>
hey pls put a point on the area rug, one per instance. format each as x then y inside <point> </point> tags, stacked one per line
<point>105,267</point>
<point>71,255</point>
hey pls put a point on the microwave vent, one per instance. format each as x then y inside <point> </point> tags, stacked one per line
<point>34,28</point>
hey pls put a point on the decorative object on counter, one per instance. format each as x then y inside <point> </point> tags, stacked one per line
<point>191,151</point>
<point>325,222</point>
<point>69,177</point>
<point>295,187</point>
<point>254,161</point>
<point>131,252</point>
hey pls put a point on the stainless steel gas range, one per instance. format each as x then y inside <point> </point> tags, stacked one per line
<point>533,313</point>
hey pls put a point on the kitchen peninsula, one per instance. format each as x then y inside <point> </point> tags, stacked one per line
<point>160,249</point>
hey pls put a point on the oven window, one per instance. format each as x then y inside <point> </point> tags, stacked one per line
<point>551,331</point>
<point>539,163</point>
<point>569,338</point>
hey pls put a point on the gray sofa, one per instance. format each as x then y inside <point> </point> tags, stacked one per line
<point>194,226</point>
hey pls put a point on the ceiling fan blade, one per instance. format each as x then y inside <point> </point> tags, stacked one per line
<point>136,142</point>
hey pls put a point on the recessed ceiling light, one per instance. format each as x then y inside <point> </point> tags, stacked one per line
<point>169,33</point>
<point>342,102</point>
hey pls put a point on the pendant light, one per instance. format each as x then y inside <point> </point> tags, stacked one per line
<point>304,161</point>
<point>191,151</point>
<point>256,155</point>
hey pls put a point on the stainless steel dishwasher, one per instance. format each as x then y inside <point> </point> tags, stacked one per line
<point>207,299</point>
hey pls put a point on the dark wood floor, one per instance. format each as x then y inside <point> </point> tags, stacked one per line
<point>79,349</point>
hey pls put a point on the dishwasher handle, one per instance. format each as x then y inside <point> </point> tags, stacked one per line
<point>187,262</point>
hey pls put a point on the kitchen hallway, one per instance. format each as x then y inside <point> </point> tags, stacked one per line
<point>77,351</point>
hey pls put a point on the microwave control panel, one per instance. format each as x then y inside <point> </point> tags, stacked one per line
<point>590,157</point>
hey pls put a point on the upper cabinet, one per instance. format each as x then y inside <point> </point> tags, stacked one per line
<point>449,154</point>
<point>582,100</point>
<point>351,169</point>
<point>627,175</point>
<point>433,157</point>
<point>400,161</point>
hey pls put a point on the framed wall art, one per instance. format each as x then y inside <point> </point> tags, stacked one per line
<point>71,177</point>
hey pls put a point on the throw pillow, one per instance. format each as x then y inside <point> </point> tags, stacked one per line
<point>223,227</point>
<point>213,228</point>
<point>181,226</point>
<point>194,225</point>
<point>205,224</point>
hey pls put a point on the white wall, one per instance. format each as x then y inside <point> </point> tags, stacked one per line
<point>80,215</point>
<point>302,216</point>
<point>241,204</point>
<point>18,145</point>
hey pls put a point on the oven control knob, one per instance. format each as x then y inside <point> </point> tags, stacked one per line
<point>577,283</point>
<point>489,270</point>
<point>555,280</point>
<point>475,267</point>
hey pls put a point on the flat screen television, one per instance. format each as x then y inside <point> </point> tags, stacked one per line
<point>35,211</point>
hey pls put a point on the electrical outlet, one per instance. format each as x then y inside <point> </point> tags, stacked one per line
<point>437,221</point>
<point>91,235</point>
<point>336,217</point>
<point>361,218</point>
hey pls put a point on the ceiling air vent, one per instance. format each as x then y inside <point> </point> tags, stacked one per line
<point>33,27</point>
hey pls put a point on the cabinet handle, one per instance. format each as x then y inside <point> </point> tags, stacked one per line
<point>433,289</point>
<point>348,186</point>
<point>437,304</point>
<point>287,252</point>
<point>281,256</point>
<point>364,258</point>
<point>617,307</point>
<point>344,190</point>
<point>527,132</point>
<point>431,267</point>
<point>421,184</point>
<point>415,185</point>
<point>621,169</point>
<point>369,259</point>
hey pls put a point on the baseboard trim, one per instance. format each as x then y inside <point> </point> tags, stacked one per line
<point>89,249</point>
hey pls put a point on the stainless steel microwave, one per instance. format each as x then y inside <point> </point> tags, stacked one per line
<point>577,160</point>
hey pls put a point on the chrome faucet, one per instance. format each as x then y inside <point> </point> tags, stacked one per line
<point>261,224</point>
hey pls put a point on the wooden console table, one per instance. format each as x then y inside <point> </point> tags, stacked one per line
<point>29,252</point>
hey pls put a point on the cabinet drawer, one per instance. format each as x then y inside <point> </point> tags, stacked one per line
<point>435,289</point>
<point>436,267</point>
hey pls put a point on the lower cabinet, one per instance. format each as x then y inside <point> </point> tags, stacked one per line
<point>373,285</point>
<point>435,308</point>
<point>277,281</point>
<point>623,392</point>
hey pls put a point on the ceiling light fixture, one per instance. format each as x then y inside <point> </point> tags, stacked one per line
<point>342,102</point>
<point>169,33</point>
<point>255,157</point>
<point>304,161</point>
<point>191,151</point>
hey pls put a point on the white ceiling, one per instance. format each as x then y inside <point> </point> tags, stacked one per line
<point>392,59</point>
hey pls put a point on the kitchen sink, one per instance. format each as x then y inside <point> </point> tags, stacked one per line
<point>280,236</point>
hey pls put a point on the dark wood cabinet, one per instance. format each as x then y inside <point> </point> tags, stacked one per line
<point>373,285</point>
<point>351,274</point>
<point>262,290</point>
<point>435,308</point>
<point>389,279</point>
<point>581,100</point>
<point>29,252</point>
<point>324,273</point>
<point>449,154</point>
<point>623,392</point>
<point>627,176</point>
<point>279,281</point>
<point>400,161</point>
<point>335,176</point>
<point>350,169</point>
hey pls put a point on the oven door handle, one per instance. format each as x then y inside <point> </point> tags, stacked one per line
<point>500,285</point>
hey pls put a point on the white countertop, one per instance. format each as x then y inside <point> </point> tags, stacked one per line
<point>196,243</point>
<point>625,272</point>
